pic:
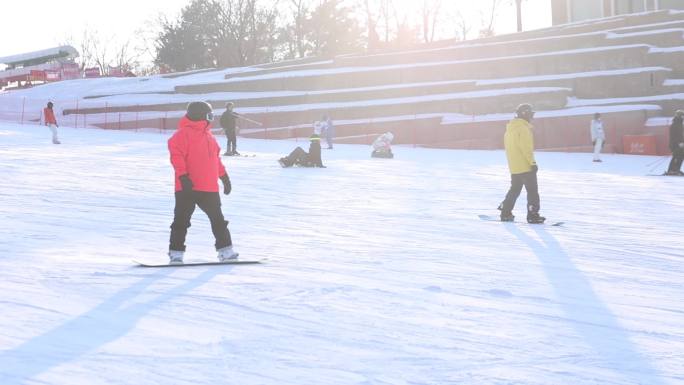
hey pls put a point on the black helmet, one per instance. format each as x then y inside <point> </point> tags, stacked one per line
<point>524,111</point>
<point>50,104</point>
<point>198,111</point>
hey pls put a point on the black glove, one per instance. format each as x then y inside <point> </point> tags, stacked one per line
<point>185,182</point>
<point>227,187</point>
<point>535,168</point>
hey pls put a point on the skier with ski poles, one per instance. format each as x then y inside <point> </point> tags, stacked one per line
<point>229,125</point>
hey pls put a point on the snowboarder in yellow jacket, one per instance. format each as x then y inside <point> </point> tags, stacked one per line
<point>519,144</point>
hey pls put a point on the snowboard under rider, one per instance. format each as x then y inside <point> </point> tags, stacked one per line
<point>196,160</point>
<point>519,144</point>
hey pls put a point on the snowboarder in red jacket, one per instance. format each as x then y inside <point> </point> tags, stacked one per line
<point>195,156</point>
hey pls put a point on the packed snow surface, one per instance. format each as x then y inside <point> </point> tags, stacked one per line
<point>378,272</point>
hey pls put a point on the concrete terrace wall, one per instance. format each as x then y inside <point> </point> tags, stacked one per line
<point>619,61</point>
<point>557,62</point>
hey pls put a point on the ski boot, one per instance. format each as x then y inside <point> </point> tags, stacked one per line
<point>227,254</point>
<point>176,257</point>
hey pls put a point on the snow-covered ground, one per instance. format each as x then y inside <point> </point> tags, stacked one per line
<point>378,271</point>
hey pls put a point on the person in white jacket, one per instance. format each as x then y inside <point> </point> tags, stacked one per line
<point>382,146</point>
<point>598,136</point>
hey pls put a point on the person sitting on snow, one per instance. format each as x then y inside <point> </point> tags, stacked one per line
<point>382,146</point>
<point>299,157</point>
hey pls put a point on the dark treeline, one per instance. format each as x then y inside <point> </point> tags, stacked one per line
<point>230,33</point>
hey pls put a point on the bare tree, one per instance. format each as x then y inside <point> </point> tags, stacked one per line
<point>518,13</point>
<point>488,19</point>
<point>126,56</point>
<point>386,14</point>
<point>371,23</point>
<point>431,11</point>
<point>463,26</point>
<point>300,10</point>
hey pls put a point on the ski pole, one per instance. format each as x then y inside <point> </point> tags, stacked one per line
<point>659,160</point>
<point>657,164</point>
<point>250,120</point>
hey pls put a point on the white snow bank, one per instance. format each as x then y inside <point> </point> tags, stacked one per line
<point>379,271</point>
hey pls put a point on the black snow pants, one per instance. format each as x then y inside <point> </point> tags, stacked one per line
<point>210,203</point>
<point>529,180</point>
<point>676,162</point>
<point>231,141</point>
<point>297,156</point>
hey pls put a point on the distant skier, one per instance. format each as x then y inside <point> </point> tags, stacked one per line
<point>51,122</point>
<point>382,146</point>
<point>328,131</point>
<point>299,157</point>
<point>598,136</point>
<point>229,125</point>
<point>519,144</point>
<point>676,144</point>
<point>195,156</point>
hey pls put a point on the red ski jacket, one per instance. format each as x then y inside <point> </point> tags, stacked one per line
<point>49,115</point>
<point>194,151</point>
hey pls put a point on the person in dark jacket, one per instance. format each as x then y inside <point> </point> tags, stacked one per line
<point>299,157</point>
<point>195,156</point>
<point>676,144</point>
<point>229,125</point>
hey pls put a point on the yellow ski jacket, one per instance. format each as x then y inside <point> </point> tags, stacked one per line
<point>519,144</point>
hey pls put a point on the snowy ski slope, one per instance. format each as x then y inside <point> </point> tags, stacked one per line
<point>379,271</point>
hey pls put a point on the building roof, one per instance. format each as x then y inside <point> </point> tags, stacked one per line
<point>46,54</point>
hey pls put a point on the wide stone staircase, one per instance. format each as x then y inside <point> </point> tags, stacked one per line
<point>629,68</point>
